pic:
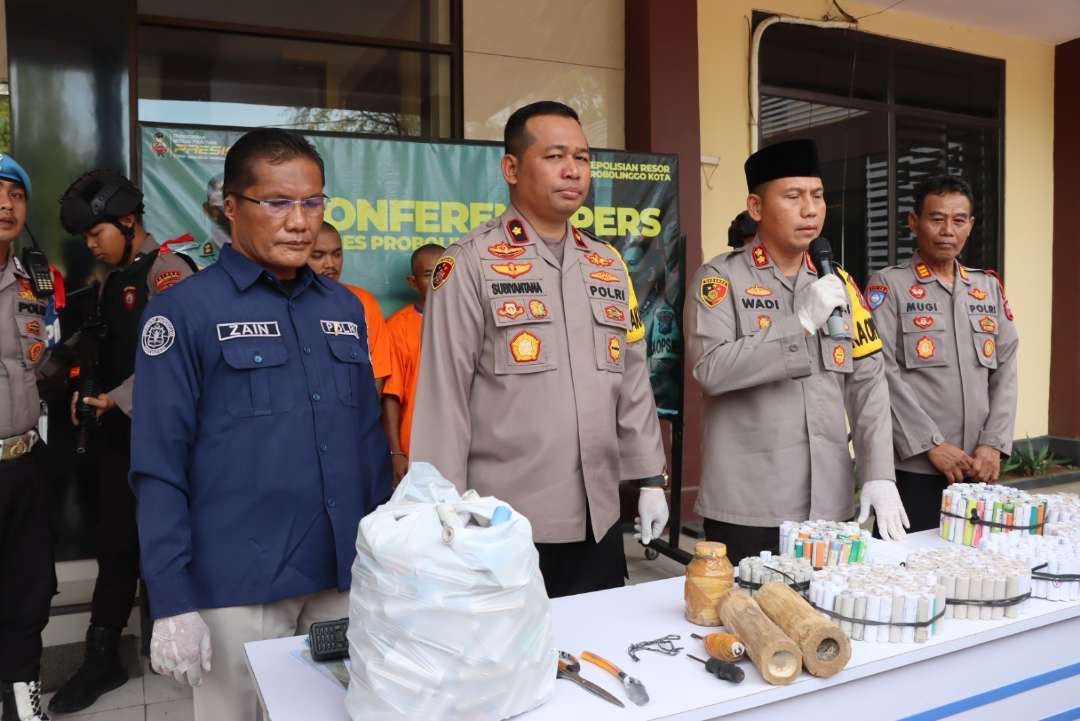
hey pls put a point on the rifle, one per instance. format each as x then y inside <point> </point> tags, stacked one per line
<point>91,333</point>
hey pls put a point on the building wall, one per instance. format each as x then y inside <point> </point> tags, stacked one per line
<point>724,47</point>
<point>568,50</point>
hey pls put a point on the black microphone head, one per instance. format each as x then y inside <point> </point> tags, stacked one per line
<point>820,249</point>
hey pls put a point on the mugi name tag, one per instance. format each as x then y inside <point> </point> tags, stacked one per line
<point>340,327</point>
<point>250,329</point>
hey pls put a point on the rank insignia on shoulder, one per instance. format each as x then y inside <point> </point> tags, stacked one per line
<point>875,295</point>
<point>503,249</point>
<point>922,271</point>
<point>597,259</point>
<point>604,276</point>
<point>713,290</point>
<point>510,310</point>
<point>917,291</point>
<point>925,348</point>
<point>525,347</point>
<point>614,349</point>
<point>758,290</point>
<point>537,309</point>
<point>838,355</point>
<point>614,312</point>
<point>516,230</point>
<point>129,298</point>
<point>963,272</point>
<point>988,347</point>
<point>923,321</point>
<point>166,279</point>
<point>810,264</point>
<point>978,294</point>
<point>442,272</point>
<point>760,257</point>
<point>511,269</point>
<point>579,241</point>
<point>987,324</point>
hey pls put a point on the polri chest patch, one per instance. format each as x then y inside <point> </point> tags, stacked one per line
<point>248,329</point>
<point>340,327</point>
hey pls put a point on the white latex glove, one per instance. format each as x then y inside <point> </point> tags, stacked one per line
<point>817,303</point>
<point>180,647</point>
<point>891,517</point>
<point>652,515</point>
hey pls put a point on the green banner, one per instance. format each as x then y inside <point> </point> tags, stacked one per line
<point>389,196</point>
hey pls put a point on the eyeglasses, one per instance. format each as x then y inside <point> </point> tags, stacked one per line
<point>315,205</point>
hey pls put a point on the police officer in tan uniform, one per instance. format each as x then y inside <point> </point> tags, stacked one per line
<point>533,382</point>
<point>776,385</point>
<point>950,355</point>
<point>27,581</point>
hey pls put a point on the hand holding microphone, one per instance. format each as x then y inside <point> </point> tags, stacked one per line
<point>817,305</point>
<point>821,256</point>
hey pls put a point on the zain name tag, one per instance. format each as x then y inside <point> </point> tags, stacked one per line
<point>255,329</point>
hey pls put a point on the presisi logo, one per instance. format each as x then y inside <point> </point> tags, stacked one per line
<point>248,329</point>
<point>340,327</point>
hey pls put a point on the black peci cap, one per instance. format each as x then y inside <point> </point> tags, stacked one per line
<point>789,159</point>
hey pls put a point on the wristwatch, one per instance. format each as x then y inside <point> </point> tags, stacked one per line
<point>660,481</point>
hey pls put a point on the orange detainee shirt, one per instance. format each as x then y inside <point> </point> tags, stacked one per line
<point>403,328</point>
<point>378,339</point>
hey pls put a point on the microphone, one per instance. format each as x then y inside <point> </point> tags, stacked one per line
<point>821,257</point>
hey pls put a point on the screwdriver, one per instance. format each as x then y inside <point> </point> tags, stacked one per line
<point>721,669</point>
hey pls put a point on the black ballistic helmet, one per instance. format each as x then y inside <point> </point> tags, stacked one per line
<point>99,196</point>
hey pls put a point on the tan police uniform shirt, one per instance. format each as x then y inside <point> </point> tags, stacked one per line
<point>950,357</point>
<point>167,270</point>
<point>533,384</point>
<point>23,341</point>
<point>775,439</point>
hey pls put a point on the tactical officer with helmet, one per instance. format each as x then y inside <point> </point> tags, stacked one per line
<point>106,209</point>
<point>27,580</point>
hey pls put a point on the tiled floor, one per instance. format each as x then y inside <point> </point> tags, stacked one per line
<point>157,698</point>
<point>148,698</point>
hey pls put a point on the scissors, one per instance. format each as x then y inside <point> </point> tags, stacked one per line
<point>569,668</point>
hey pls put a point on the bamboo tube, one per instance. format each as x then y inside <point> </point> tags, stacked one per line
<point>825,648</point>
<point>776,656</point>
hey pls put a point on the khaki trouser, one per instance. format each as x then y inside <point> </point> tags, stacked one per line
<point>228,691</point>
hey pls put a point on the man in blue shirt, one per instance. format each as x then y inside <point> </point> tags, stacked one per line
<point>258,448</point>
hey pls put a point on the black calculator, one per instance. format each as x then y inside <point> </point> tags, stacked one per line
<point>327,640</point>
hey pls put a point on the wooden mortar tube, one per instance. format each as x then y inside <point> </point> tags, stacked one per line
<point>825,648</point>
<point>775,655</point>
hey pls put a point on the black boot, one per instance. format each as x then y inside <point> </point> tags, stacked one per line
<point>22,702</point>
<point>101,672</point>
<point>7,700</point>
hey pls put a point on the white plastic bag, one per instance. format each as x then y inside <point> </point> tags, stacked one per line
<point>446,630</point>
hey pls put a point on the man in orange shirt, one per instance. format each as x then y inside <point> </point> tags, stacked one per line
<point>403,327</point>
<point>325,259</point>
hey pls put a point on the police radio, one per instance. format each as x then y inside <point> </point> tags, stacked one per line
<point>37,266</point>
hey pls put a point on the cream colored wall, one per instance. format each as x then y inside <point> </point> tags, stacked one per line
<point>516,52</point>
<point>724,40</point>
